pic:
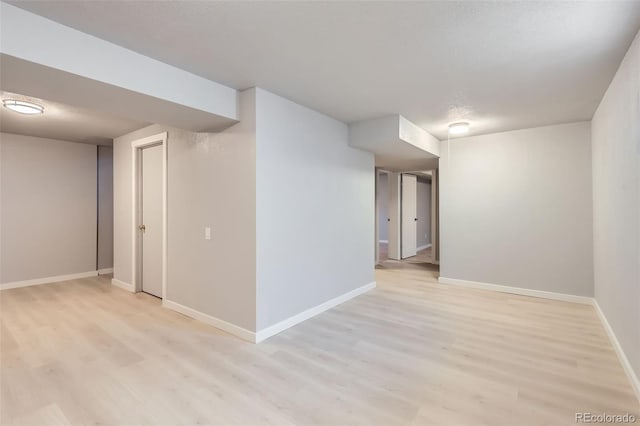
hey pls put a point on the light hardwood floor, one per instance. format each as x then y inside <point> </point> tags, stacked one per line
<point>422,256</point>
<point>411,352</point>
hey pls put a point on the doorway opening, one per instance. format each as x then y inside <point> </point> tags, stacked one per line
<point>149,221</point>
<point>407,217</point>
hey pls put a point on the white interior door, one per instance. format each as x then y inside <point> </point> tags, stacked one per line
<point>151,215</point>
<point>409,215</point>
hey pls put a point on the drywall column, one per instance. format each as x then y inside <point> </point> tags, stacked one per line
<point>394,215</point>
<point>383,207</point>
<point>105,209</point>
<point>312,191</point>
<point>423,230</point>
<point>435,216</point>
<point>376,221</point>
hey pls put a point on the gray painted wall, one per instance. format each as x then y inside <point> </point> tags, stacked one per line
<point>211,183</point>
<point>258,191</point>
<point>516,203</point>
<point>48,208</point>
<point>423,200</point>
<point>383,207</point>
<point>315,210</point>
<point>616,204</point>
<point>105,207</point>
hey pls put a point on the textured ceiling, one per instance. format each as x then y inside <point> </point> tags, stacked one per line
<point>499,65</point>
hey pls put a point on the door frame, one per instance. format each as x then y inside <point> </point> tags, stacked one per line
<point>402,212</point>
<point>136,180</point>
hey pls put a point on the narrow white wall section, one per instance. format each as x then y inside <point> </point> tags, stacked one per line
<point>424,214</point>
<point>515,209</point>
<point>48,208</point>
<point>383,207</point>
<point>315,211</point>
<point>616,207</point>
<point>36,39</point>
<point>105,207</point>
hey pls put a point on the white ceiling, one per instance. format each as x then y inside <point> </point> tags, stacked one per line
<point>499,65</point>
<point>65,122</point>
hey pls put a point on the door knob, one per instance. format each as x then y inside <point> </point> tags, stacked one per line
<point>142,228</point>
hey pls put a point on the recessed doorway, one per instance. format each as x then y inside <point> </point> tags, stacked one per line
<point>150,214</point>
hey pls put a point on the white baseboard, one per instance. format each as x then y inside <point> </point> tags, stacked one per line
<point>276,328</point>
<point>383,241</point>
<point>105,271</point>
<point>238,331</point>
<point>123,285</point>
<point>517,290</point>
<point>47,280</point>
<point>631,374</point>
<point>423,247</point>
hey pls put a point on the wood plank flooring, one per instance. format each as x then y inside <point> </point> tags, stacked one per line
<point>411,352</point>
<point>422,256</point>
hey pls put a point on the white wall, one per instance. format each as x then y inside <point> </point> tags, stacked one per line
<point>105,207</point>
<point>315,210</point>
<point>423,202</point>
<point>616,204</point>
<point>48,208</point>
<point>383,207</point>
<point>515,209</point>
<point>211,182</point>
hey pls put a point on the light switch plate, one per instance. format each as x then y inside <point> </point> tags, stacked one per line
<point>207,233</point>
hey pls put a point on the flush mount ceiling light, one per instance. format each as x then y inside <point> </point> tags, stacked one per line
<point>458,128</point>
<point>23,107</point>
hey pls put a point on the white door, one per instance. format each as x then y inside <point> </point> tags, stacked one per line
<point>151,232</point>
<point>409,215</point>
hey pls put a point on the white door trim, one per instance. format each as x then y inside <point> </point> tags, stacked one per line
<point>408,201</point>
<point>136,147</point>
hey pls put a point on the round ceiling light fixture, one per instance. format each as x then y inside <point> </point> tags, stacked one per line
<point>458,128</point>
<point>23,107</point>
